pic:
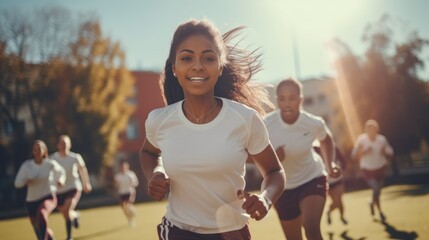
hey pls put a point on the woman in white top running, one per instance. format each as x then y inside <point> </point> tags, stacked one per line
<point>68,195</point>
<point>41,175</point>
<point>205,137</point>
<point>125,182</point>
<point>373,151</point>
<point>292,132</point>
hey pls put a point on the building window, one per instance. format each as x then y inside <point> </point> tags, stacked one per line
<point>133,99</point>
<point>308,101</point>
<point>132,131</point>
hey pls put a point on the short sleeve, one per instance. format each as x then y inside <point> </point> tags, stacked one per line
<point>321,129</point>
<point>22,176</point>
<point>79,160</point>
<point>388,147</point>
<point>151,128</point>
<point>258,137</point>
<point>135,180</point>
<point>59,172</point>
<point>358,142</point>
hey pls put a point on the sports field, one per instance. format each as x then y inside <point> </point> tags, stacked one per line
<point>406,208</point>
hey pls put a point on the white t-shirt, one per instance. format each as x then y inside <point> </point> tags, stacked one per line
<point>374,159</point>
<point>206,164</point>
<point>44,178</point>
<point>70,163</point>
<point>126,182</point>
<point>301,163</point>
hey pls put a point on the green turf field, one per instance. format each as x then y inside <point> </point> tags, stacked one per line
<point>406,208</point>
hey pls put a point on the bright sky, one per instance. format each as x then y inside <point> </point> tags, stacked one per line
<point>145,28</point>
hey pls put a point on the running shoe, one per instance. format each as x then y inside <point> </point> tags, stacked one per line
<point>76,220</point>
<point>382,217</point>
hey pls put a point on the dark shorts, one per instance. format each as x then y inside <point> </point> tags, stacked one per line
<point>287,205</point>
<point>336,184</point>
<point>377,174</point>
<point>167,230</point>
<point>33,207</point>
<point>63,196</point>
<point>127,197</point>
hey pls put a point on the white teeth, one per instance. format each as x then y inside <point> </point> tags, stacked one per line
<point>197,79</point>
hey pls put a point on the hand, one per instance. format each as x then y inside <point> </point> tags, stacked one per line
<point>159,186</point>
<point>60,184</point>
<point>335,172</point>
<point>87,188</point>
<point>280,151</point>
<point>255,205</point>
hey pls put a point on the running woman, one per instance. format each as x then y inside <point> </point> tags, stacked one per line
<point>69,194</point>
<point>205,136</point>
<point>41,175</point>
<point>126,181</point>
<point>292,132</point>
<point>373,151</point>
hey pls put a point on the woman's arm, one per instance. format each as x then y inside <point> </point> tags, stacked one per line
<point>22,178</point>
<point>273,184</point>
<point>327,150</point>
<point>152,168</point>
<point>59,173</point>
<point>83,171</point>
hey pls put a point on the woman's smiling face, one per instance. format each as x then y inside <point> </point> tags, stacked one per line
<point>197,65</point>
<point>289,102</point>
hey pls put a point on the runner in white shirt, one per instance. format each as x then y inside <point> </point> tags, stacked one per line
<point>205,139</point>
<point>68,195</point>
<point>42,176</point>
<point>372,151</point>
<point>292,132</point>
<point>126,181</point>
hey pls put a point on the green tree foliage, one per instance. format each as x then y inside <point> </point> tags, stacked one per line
<point>386,86</point>
<point>68,77</point>
<point>99,87</point>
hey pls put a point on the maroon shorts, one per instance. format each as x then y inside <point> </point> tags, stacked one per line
<point>167,231</point>
<point>63,196</point>
<point>287,205</point>
<point>127,197</point>
<point>33,207</point>
<point>377,174</point>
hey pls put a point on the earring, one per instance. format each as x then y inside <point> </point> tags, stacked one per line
<point>174,74</point>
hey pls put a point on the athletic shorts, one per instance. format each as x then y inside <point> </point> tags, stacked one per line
<point>377,174</point>
<point>287,205</point>
<point>63,196</point>
<point>127,197</point>
<point>33,207</point>
<point>167,231</point>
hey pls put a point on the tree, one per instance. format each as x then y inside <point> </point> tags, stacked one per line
<point>385,84</point>
<point>69,78</point>
<point>99,86</point>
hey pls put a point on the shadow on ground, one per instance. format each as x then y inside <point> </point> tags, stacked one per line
<point>394,233</point>
<point>344,235</point>
<point>415,190</point>
<point>102,233</point>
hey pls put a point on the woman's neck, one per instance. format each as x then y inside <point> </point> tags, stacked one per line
<point>290,119</point>
<point>38,160</point>
<point>63,152</point>
<point>201,110</point>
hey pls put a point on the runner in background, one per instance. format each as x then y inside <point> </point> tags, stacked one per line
<point>125,182</point>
